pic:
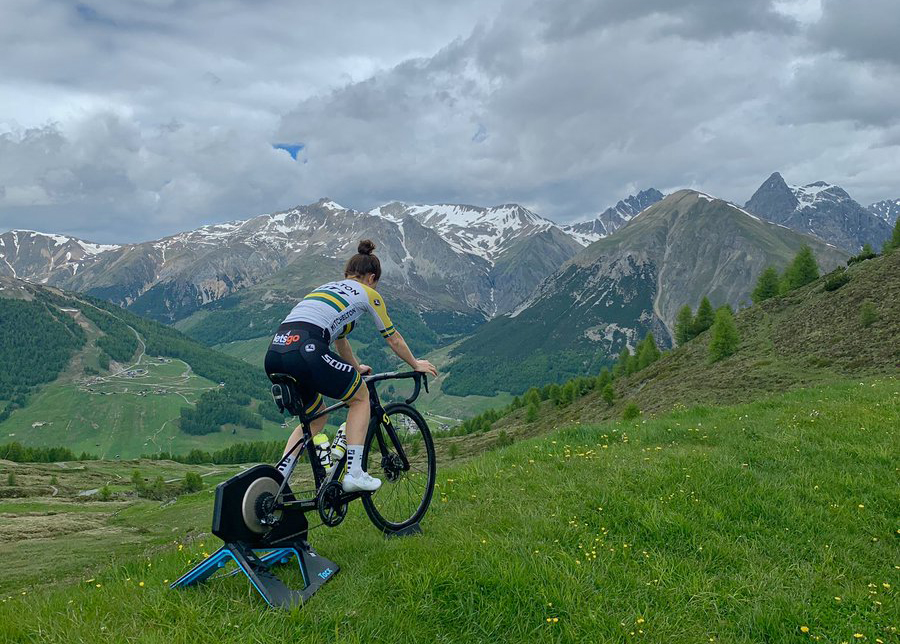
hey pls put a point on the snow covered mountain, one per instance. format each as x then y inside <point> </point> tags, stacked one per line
<point>889,210</point>
<point>819,209</point>
<point>485,232</point>
<point>42,257</point>
<point>614,217</point>
<point>482,260</point>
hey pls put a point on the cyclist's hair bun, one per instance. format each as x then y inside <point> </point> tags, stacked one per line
<point>364,262</point>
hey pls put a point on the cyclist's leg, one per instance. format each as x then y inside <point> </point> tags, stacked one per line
<point>358,416</point>
<point>291,363</point>
<point>338,379</point>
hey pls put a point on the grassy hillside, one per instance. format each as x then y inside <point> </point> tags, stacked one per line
<point>115,383</point>
<point>774,521</point>
<point>808,337</point>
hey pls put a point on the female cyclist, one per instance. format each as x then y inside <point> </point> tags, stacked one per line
<point>301,349</point>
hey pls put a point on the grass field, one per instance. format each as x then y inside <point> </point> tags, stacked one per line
<point>58,527</point>
<point>773,521</point>
<point>123,415</point>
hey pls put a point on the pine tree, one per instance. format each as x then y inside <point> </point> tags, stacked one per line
<point>532,413</point>
<point>621,368</point>
<point>725,338</point>
<point>608,395</point>
<point>705,316</point>
<point>684,325</point>
<point>603,379</point>
<point>632,365</point>
<point>766,285</point>
<point>648,352</point>
<point>894,242</point>
<point>802,270</point>
<point>556,394</point>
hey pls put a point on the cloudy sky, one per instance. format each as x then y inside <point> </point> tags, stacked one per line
<point>124,120</point>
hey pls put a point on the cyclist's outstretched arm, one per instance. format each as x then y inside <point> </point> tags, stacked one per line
<point>398,345</point>
<point>342,345</point>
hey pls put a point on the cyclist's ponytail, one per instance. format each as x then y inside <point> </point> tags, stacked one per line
<point>364,262</point>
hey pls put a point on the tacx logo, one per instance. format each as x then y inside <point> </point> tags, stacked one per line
<point>325,574</point>
<point>337,364</point>
<point>285,339</point>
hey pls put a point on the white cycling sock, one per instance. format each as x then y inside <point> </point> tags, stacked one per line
<point>285,466</point>
<point>354,459</point>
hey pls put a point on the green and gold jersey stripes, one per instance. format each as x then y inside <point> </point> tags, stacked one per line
<point>336,306</point>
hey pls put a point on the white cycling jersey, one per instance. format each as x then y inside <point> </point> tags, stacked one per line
<point>336,306</point>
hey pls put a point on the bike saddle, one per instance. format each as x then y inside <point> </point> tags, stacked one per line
<point>284,391</point>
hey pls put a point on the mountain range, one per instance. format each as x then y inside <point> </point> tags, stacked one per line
<point>442,257</point>
<point>592,286</point>
<point>889,210</point>
<point>819,209</point>
<point>620,288</point>
<point>614,217</point>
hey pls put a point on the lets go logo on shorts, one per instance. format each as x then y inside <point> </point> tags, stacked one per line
<point>286,339</point>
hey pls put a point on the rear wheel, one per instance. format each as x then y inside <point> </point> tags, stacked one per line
<point>404,495</point>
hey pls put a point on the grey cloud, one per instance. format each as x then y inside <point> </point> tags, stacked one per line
<point>565,107</point>
<point>697,19</point>
<point>108,181</point>
<point>828,89</point>
<point>864,30</point>
<point>572,126</point>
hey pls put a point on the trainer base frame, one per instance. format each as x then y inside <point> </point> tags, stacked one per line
<point>256,564</point>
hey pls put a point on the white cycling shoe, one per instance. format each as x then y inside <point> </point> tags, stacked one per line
<point>360,483</point>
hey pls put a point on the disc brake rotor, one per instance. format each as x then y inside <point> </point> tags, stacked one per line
<point>392,465</point>
<point>252,497</point>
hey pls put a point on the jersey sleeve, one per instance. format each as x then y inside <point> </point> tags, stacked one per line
<point>379,313</point>
<point>346,330</point>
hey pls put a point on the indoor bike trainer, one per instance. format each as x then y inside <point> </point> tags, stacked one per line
<point>262,522</point>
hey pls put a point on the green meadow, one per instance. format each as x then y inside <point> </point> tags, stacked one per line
<point>772,521</point>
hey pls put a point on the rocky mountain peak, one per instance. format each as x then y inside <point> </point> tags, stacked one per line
<point>614,217</point>
<point>773,199</point>
<point>889,210</point>
<point>821,209</point>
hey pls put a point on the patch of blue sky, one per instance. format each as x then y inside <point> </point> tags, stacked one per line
<point>291,148</point>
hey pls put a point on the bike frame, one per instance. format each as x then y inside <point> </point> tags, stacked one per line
<point>377,419</point>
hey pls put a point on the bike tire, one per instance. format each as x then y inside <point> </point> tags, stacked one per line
<point>380,506</point>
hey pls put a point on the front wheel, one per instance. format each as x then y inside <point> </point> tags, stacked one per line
<point>404,495</point>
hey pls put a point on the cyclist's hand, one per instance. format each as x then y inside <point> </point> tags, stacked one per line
<point>424,366</point>
<point>364,369</point>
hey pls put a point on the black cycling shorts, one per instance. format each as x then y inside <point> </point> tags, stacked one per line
<point>300,350</point>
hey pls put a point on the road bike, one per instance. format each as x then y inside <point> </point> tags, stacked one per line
<point>262,521</point>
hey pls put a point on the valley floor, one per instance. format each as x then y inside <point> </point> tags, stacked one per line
<point>773,521</point>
